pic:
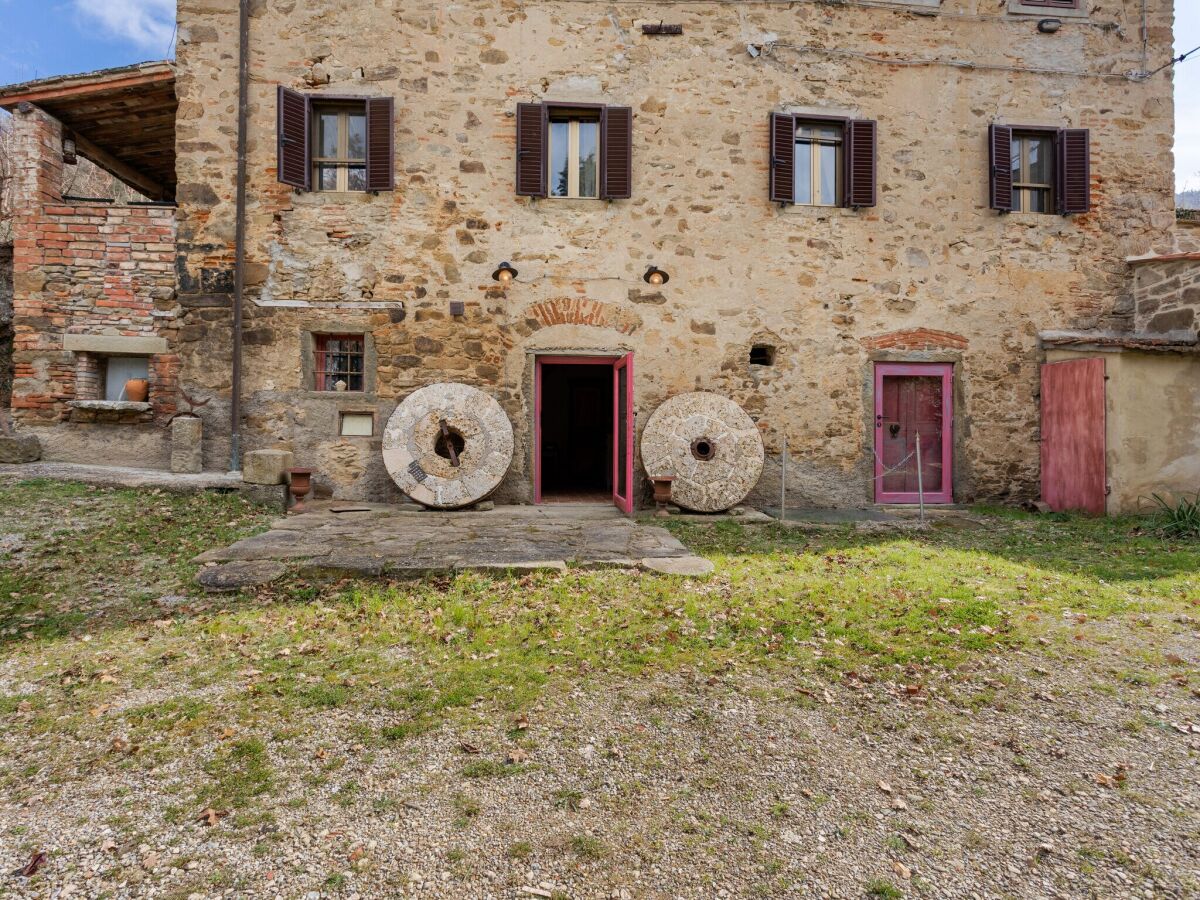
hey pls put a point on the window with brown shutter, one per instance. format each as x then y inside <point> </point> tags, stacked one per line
<point>574,151</point>
<point>783,158</point>
<point>292,129</point>
<point>861,179</point>
<point>1040,170</point>
<point>616,157</point>
<point>1000,167</point>
<point>1075,171</point>
<point>329,143</point>
<point>532,133</point>
<point>823,162</point>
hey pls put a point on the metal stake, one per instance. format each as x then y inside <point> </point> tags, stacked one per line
<point>783,482</point>
<point>920,481</point>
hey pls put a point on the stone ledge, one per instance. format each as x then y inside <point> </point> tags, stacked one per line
<point>110,406</point>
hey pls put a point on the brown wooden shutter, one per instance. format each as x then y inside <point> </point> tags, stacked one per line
<point>782,182</point>
<point>616,153</point>
<point>293,129</point>
<point>861,186</point>
<point>1000,160</point>
<point>381,148</point>
<point>1074,171</point>
<point>532,133</point>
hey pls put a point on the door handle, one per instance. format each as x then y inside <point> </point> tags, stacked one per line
<point>879,421</point>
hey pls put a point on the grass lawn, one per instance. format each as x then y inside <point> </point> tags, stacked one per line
<point>112,661</point>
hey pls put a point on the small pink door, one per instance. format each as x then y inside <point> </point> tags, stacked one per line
<point>911,400</point>
<point>1074,473</point>
<point>623,418</point>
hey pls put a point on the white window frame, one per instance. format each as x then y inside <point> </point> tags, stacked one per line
<point>573,122</point>
<point>814,174</point>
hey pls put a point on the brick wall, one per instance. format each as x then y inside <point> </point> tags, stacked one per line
<point>5,327</point>
<point>82,268</point>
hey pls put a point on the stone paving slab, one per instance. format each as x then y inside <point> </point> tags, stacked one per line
<point>374,539</point>
<point>131,477</point>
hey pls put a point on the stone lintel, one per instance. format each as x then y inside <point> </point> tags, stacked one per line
<point>114,344</point>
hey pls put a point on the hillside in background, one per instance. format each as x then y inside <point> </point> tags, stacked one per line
<point>1188,200</point>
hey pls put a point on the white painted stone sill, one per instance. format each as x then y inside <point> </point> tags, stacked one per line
<point>1017,8</point>
<point>818,212</point>
<point>110,406</point>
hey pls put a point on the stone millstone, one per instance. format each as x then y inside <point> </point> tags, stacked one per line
<point>711,447</point>
<point>415,452</point>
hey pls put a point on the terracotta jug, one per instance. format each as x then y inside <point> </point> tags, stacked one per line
<point>137,390</point>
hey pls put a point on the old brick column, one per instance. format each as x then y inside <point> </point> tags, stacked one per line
<point>43,373</point>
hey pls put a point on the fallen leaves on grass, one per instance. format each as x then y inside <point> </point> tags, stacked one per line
<point>210,817</point>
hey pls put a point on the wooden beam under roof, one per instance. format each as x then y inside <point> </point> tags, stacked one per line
<point>126,173</point>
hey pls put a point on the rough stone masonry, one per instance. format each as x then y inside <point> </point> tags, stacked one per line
<point>928,274</point>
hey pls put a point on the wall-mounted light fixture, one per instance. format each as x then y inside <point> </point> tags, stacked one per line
<point>1049,26</point>
<point>504,273</point>
<point>70,151</point>
<point>655,276</point>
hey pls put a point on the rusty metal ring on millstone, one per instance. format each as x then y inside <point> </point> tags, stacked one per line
<point>448,445</point>
<point>709,444</point>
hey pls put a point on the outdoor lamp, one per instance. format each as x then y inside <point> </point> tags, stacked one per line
<point>655,276</point>
<point>504,273</point>
<point>1049,26</point>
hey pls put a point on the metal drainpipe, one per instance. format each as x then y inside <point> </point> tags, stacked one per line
<point>239,266</point>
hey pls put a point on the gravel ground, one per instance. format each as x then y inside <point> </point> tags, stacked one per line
<point>1042,774</point>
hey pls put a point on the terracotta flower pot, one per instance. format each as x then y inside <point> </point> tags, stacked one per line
<point>137,390</point>
<point>299,483</point>
<point>662,493</point>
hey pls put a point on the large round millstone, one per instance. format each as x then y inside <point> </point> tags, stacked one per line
<point>437,424</point>
<point>709,444</point>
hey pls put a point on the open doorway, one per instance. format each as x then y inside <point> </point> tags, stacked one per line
<point>584,415</point>
<point>577,432</point>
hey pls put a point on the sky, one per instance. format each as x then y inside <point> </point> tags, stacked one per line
<point>40,38</point>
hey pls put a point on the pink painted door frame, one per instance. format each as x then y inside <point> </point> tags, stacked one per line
<point>942,451</point>
<point>619,364</point>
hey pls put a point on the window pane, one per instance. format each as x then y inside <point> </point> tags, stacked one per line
<point>356,138</point>
<point>804,193</point>
<point>1040,154</point>
<point>589,143</point>
<point>327,177</point>
<point>1016,200</point>
<point>328,139</point>
<point>829,159</point>
<point>559,164</point>
<point>1018,148</point>
<point>1039,200</point>
<point>356,178</point>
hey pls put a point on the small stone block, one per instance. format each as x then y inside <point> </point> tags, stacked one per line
<point>186,448</point>
<point>686,566</point>
<point>20,448</point>
<point>267,466</point>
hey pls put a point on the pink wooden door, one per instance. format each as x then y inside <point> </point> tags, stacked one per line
<point>623,433</point>
<point>1074,474</point>
<point>913,399</point>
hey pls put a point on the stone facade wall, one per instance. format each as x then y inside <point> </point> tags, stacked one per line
<point>94,269</point>
<point>6,330</point>
<point>930,273</point>
<point>1167,295</point>
<point>822,285</point>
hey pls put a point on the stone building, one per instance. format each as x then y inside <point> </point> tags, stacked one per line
<point>856,220</point>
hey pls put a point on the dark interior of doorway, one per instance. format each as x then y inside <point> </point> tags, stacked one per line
<point>577,433</point>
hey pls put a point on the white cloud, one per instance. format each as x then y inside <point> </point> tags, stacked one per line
<point>150,24</point>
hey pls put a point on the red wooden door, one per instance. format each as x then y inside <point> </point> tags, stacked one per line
<point>623,433</point>
<point>1074,474</point>
<point>911,400</point>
